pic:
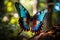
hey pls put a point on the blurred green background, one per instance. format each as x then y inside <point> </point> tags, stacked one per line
<point>9,25</point>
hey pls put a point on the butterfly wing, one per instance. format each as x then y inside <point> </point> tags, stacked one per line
<point>38,18</point>
<point>24,16</point>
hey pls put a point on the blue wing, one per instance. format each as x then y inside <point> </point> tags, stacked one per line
<point>23,13</point>
<point>21,10</point>
<point>39,17</point>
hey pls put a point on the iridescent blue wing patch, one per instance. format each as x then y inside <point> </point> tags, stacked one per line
<point>21,10</point>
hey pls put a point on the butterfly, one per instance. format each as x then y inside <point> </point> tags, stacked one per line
<point>57,7</point>
<point>28,22</point>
